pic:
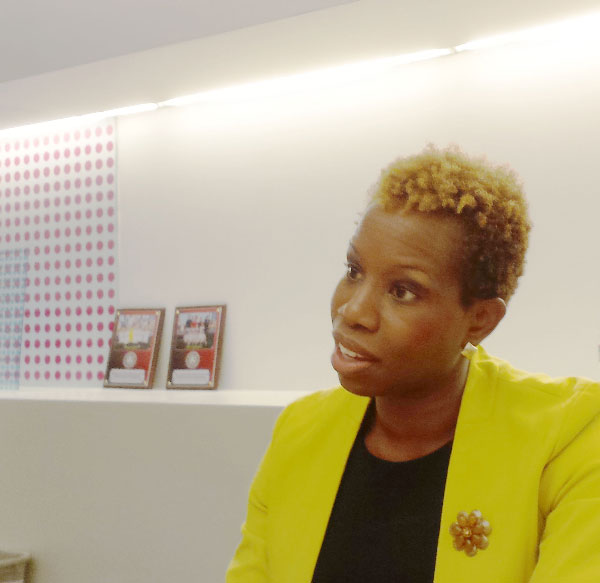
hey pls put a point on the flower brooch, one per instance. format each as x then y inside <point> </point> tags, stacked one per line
<point>470,532</point>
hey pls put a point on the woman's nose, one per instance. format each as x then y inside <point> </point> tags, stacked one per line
<point>361,309</point>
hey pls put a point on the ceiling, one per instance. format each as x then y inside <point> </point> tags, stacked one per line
<point>42,36</point>
<point>70,57</point>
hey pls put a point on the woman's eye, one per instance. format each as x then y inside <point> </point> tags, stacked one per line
<point>401,292</point>
<point>352,271</point>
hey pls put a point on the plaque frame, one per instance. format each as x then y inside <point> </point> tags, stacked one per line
<point>135,340</point>
<point>196,347</point>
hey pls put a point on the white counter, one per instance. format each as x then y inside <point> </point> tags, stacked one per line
<point>122,486</point>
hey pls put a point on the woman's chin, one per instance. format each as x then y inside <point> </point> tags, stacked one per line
<point>355,387</point>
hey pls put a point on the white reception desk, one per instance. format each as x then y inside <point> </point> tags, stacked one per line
<point>129,486</point>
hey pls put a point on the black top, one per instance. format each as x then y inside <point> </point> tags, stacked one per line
<point>385,521</point>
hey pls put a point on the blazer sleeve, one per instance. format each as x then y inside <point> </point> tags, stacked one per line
<point>569,550</point>
<point>250,563</point>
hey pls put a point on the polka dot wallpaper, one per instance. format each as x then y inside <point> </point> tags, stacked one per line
<point>58,226</point>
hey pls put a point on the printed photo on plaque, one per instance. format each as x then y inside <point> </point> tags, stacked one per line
<point>134,348</point>
<point>196,347</point>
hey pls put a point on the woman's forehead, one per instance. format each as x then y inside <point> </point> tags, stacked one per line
<point>429,239</point>
<point>405,226</point>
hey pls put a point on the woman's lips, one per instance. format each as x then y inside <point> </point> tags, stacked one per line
<point>348,362</point>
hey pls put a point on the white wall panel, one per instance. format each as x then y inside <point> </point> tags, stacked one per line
<point>251,203</point>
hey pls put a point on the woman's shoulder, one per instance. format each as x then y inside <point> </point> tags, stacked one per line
<point>320,411</point>
<point>332,401</point>
<point>567,403</point>
<point>326,398</point>
<point>539,385</point>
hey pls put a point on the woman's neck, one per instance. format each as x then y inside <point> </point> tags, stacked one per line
<point>408,427</point>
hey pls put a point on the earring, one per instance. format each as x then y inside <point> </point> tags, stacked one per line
<point>468,350</point>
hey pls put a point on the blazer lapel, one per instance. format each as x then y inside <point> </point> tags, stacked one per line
<point>318,496</point>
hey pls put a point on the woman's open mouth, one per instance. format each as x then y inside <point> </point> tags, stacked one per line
<point>348,362</point>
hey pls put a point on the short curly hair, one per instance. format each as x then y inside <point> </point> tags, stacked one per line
<point>488,201</point>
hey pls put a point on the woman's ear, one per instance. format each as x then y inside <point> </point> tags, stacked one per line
<point>485,316</point>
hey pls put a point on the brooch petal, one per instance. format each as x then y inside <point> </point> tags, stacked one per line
<point>470,532</point>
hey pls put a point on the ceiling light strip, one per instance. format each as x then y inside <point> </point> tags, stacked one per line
<point>579,29</point>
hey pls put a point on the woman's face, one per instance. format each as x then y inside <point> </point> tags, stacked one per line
<point>398,322</point>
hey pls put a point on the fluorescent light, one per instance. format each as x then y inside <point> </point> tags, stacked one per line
<point>129,110</point>
<point>306,81</point>
<point>573,29</point>
<point>76,119</point>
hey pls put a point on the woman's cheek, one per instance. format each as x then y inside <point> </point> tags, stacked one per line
<point>424,330</point>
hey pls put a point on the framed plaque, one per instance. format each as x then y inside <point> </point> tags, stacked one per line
<point>134,348</point>
<point>196,347</point>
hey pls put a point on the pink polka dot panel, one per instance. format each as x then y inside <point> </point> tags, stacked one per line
<point>58,212</point>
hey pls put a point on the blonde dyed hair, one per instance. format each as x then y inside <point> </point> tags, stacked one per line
<point>487,200</point>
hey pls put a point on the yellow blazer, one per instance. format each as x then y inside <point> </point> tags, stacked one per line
<point>526,453</point>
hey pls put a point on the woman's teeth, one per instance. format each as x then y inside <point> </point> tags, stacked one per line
<point>346,352</point>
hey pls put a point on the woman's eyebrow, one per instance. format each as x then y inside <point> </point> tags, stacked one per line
<point>403,266</point>
<point>410,267</point>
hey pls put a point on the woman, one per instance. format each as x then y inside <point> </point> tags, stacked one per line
<point>434,461</point>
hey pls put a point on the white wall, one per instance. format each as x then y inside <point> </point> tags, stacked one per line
<point>251,203</point>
